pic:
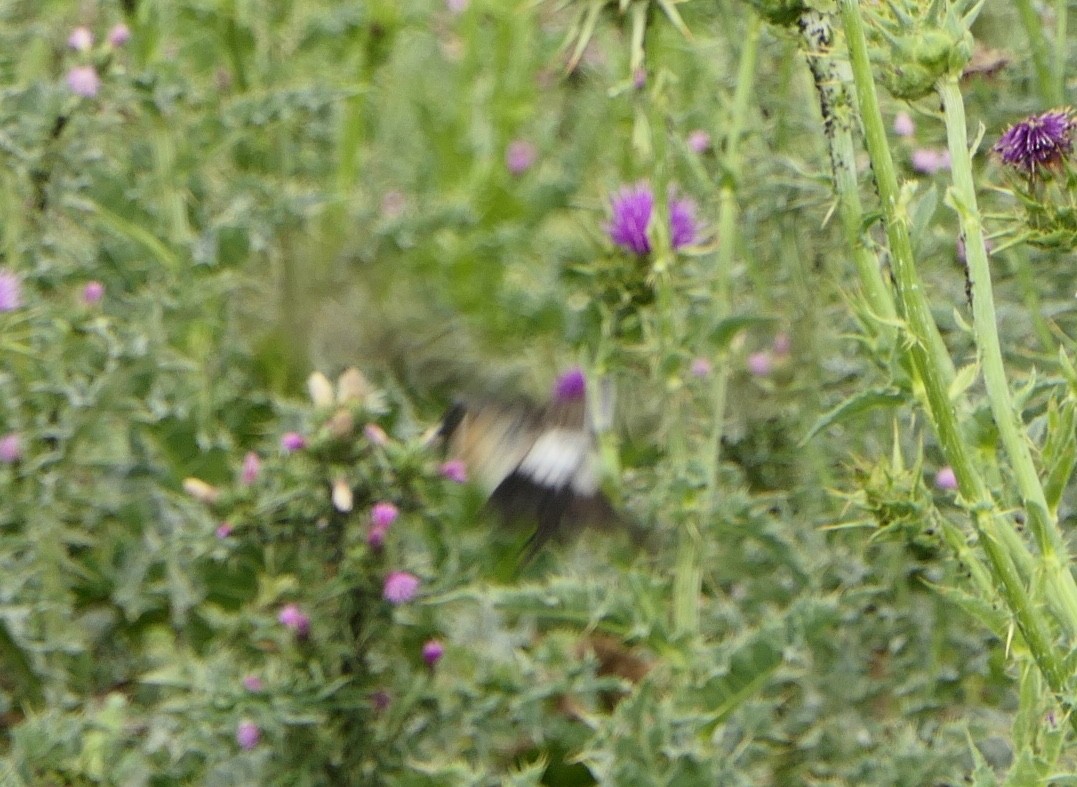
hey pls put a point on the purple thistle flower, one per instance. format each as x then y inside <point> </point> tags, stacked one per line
<point>224,529</point>
<point>252,466</point>
<point>119,35</point>
<point>570,386</point>
<point>701,367</point>
<point>294,618</point>
<point>760,364</point>
<point>520,156</point>
<point>92,293</point>
<point>945,478</point>
<point>252,683</point>
<point>682,222</point>
<point>1038,142</point>
<point>930,161</point>
<point>383,514</point>
<point>455,470</point>
<point>903,125</point>
<point>10,448</point>
<point>699,141</point>
<point>81,39</point>
<point>10,291</point>
<point>632,208</point>
<point>247,735</point>
<point>432,652</point>
<point>381,700</point>
<point>83,81</point>
<point>291,442</point>
<point>400,587</point>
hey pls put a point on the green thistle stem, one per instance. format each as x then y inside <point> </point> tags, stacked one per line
<point>986,517</point>
<point>1011,429</point>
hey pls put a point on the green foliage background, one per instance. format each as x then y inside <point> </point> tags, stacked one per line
<point>266,189</point>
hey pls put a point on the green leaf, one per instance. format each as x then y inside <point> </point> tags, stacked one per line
<point>855,405</point>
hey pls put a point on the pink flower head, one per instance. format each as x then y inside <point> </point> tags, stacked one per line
<point>570,386</point>
<point>701,367</point>
<point>247,735</point>
<point>632,207</point>
<point>252,683</point>
<point>520,156</point>
<point>92,293</point>
<point>83,81</point>
<point>81,39</point>
<point>945,478</point>
<point>10,291</point>
<point>290,442</point>
<point>1038,142</point>
<point>782,344</point>
<point>682,222</point>
<point>375,537</point>
<point>930,161</point>
<point>383,514</point>
<point>119,35</point>
<point>294,618</point>
<point>454,470</point>
<point>760,364</point>
<point>432,652</point>
<point>903,125</point>
<point>224,529</point>
<point>400,587</point>
<point>375,434</point>
<point>10,448</point>
<point>252,466</point>
<point>699,141</point>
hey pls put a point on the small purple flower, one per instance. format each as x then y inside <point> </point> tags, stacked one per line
<point>1038,142</point>
<point>929,161</point>
<point>639,78</point>
<point>119,35</point>
<point>92,293</point>
<point>290,442</point>
<point>701,367</point>
<point>760,364</point>
<point>224,529</point>
<point>81,39</point>
<point>393,205</point>
<point>520,156</point>
<point>375,537</point>
<point>432,652</point>
<point>247,735</point>
<point>945,478</point>
<point>83,81</point>
<point>400,587</point>
<point>383,514</point>
<point>252,683</point>
<point>381,700</point>
<point>903,125</point>
<point>682,222</point>
<point>455,470</point>
<point>10,291</point>
<point>570,386</point>
<point>294,618</point>
<point>375,434</point>
<point>252,466</point>
<point>10,448</point>
<point>699,141</point>
<point>632,208</point>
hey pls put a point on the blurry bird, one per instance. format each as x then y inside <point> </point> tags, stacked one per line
<point>536,465</point>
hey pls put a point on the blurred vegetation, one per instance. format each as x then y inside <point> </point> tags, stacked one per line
<point>270,189</point>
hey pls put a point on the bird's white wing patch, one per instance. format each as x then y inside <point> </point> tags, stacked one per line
<point>555,457</point>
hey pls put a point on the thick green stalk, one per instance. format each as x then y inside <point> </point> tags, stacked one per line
<point>986,516</point>
<point>1011,429</point>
